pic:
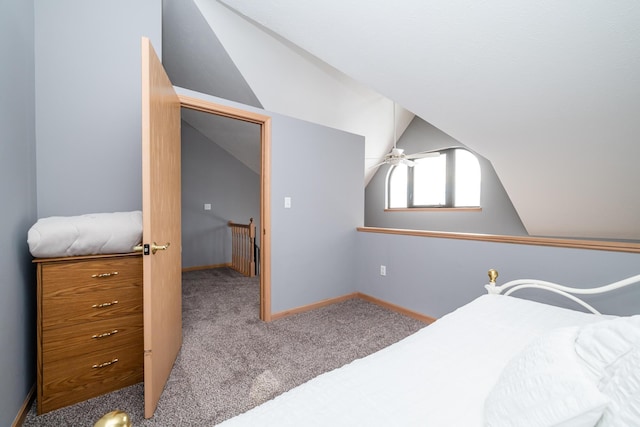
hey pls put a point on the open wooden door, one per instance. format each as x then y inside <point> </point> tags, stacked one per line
<point>161,235</point>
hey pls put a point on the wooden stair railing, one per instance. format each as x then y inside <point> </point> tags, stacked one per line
<point>243,239</point>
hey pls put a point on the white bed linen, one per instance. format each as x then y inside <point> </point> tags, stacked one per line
<point>89,234</point>
<point>438,376</point>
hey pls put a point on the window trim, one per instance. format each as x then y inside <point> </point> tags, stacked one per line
<point>449,186</point>
<point>455,209</point>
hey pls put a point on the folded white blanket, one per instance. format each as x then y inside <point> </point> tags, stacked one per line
<point>90,234</point>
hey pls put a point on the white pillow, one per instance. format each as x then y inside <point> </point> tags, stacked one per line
<point>611,352</point>
<point>545,385</point>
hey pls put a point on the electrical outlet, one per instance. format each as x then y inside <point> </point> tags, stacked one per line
<point>383,270</point>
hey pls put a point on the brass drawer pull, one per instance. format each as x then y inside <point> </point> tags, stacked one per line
<point>99,276</point>
<point>106,334</point>
<point>105,364</point>
<point>104,304</point>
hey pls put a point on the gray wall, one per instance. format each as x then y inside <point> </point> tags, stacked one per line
<point>434,276</point>
<point>313,243</point>
<point>188,39</point>
<point>497,216</point>
<point>70,79</point>
<point>211,175</point>
<point>88,90</point>
<point>18,212</point>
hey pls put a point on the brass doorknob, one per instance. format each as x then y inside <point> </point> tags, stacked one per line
<point>156,247</point>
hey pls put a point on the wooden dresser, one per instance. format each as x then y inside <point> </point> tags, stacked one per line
<point>90,327</point>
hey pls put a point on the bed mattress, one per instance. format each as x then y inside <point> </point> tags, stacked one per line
<point>90,234</point>
<point>438,376</point>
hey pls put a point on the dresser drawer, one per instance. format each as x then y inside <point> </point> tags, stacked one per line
<point>58,275</point>
<point>93,337</point>
<point>77,292</point>
<point>65,382</point>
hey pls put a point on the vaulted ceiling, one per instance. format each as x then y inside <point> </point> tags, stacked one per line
<point>548,91</point>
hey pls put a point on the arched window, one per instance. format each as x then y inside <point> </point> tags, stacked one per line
<point>448,178</point>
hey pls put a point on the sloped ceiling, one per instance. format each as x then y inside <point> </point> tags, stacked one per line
<point>238,138</point>
<point>194,58</point>
<point>548,91</point>
<point>211,49</point>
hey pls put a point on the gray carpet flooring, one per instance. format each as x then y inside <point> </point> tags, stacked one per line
<point>231,361</point>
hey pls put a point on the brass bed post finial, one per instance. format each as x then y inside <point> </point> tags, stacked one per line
<point>114,419</point>
<point>493,275</point>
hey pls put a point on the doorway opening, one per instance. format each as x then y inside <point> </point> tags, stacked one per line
<point>264,123</point>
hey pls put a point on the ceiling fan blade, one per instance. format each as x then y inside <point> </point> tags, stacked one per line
<point>432,153</point>
<point>423,154</point>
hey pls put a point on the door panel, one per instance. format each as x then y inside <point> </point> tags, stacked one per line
<point>161,226</point>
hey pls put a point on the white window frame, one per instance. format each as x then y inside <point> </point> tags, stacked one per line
<point>448,201</point>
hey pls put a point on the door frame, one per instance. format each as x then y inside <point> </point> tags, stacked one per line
<point>265,185</point>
